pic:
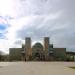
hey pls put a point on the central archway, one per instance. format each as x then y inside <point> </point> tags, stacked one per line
<point>37,52</point>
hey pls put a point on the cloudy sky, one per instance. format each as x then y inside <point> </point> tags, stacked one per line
<point>37,19</point>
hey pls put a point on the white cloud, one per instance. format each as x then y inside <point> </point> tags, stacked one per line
<point>38,18</point>
<point>4,45</point>
<point>6,8</point>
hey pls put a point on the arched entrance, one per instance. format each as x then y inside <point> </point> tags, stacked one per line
<point>37,52</point>
<point>37,56</point>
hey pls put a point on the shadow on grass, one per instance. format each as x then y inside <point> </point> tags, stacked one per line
<point>72,67</point>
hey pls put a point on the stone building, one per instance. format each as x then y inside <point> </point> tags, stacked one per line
<point>39,52</point>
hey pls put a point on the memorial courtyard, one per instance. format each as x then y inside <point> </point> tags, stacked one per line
<point>37,68</point>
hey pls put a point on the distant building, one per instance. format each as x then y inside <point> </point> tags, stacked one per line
<point>38,52</point>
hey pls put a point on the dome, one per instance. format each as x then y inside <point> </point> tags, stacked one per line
<point>37,45</point>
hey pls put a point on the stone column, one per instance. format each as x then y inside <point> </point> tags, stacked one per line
<point>46,47</point>
<point>28,48</point>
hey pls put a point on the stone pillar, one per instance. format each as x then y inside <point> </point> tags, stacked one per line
<point>46,47</point>
<point>28,48</point>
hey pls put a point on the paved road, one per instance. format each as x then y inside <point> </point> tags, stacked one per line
<point>36,68</point>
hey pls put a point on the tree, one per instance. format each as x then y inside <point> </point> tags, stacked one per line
<point>0,55</point>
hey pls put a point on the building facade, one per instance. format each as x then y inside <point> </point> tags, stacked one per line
<point>39,52</point>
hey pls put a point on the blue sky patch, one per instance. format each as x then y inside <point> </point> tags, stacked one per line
<point>1,36</point>
<point>2,30</point>
<point>3,26</point>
